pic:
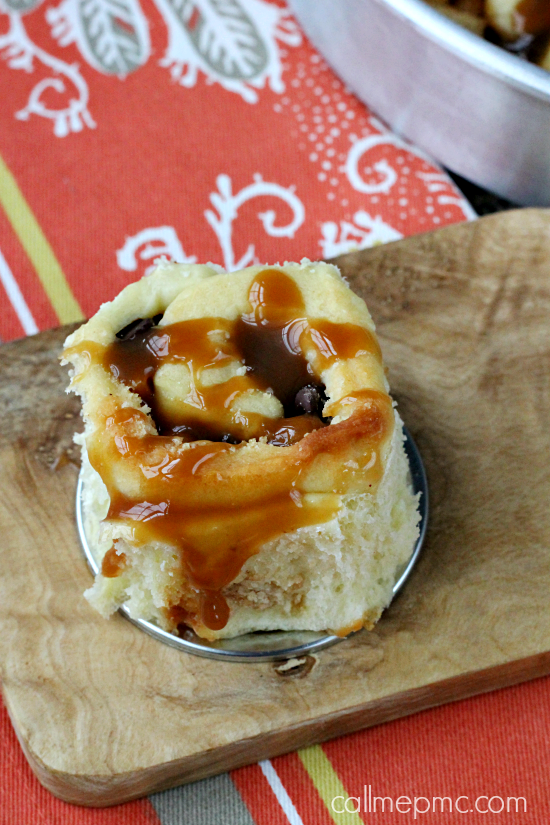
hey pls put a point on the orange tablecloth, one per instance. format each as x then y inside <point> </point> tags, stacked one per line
<point>210,130</point>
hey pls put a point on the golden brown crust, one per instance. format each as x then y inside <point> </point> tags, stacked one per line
<point>219,502</point>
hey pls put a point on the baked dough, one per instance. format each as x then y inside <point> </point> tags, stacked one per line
<point>208,500</point>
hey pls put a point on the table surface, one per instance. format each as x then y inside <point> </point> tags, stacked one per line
<point>213,131</point>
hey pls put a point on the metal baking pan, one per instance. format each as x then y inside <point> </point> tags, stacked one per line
<point>480,111</point>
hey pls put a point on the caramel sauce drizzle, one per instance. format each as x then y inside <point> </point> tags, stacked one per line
<point>179,487</point>
<point>113,563</point>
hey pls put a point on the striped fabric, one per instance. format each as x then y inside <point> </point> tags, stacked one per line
<point>490,748</point>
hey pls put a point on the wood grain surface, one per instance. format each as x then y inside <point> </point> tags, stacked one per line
<point>106,714</point>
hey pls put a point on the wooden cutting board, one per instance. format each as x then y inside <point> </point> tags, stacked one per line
<point>106,714</point>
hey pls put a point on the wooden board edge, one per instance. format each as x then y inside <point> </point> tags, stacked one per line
<point>104,791</point>
<point>361,256</point>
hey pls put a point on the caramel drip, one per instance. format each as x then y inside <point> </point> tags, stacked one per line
<point>274,358</point>
<point>201,345</point>
<point>336,342</point>
<point>534,16</point>
<point>113,563</point>
<point>275,335</point>
<point>174,506</point>
<point>286,431</point>
<point>202,498</point>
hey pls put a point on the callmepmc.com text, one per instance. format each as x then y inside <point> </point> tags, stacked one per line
<point>370,803</point>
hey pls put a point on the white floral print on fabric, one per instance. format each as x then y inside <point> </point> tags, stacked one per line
<point>19,52</point>
<point>232,42</point>
<point>149,244</point>
<point>164,239</point>
<point>364,231</point>
<point>112,35</point>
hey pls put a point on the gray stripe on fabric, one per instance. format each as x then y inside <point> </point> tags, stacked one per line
<point>214,801</point>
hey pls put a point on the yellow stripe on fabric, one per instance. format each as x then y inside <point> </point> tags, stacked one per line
<point>39,251</point>
<point>328,785</point>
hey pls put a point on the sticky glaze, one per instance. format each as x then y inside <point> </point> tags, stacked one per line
<point>181,487</point>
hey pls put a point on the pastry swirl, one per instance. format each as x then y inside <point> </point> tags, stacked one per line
<point>244,463</point>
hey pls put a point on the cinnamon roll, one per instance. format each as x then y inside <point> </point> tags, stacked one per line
<point>243,461</point>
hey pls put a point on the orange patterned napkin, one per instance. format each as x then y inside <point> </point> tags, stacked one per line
<point>204,130</point>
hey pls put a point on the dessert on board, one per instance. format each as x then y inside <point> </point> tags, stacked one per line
<point>243,461</point>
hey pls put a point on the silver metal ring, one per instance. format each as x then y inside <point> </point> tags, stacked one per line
<point>273,645</point>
